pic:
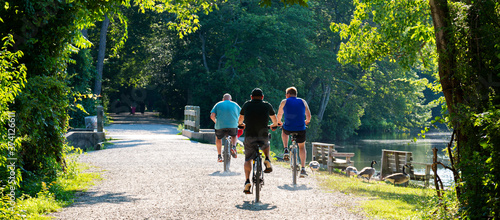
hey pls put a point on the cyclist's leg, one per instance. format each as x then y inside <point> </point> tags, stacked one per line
<point>218,144</point>
<point>302,153</point>
<point>219,134</point>
<point>233,132</point>
<point>267,162</point>
<point>249,154</point>
<point>301,141</point>
<point>284,138</point>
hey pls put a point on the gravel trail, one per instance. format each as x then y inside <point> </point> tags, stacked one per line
<point>152,173</point>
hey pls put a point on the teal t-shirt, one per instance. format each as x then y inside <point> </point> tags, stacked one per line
<point>227,114</point>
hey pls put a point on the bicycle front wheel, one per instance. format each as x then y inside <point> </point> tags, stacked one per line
<point>226,154</point>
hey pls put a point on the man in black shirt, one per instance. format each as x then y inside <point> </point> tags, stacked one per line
<point>254,115</point>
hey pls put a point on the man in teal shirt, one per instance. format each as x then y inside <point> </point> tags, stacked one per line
<point>225,115</point>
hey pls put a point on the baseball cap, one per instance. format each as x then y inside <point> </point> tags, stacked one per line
<point>257,92</point>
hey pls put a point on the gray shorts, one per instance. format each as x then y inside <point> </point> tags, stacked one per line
<point>251,146</point>
<point>220,133</point>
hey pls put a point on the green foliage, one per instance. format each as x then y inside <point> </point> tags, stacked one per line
<point>403,33</point>
<point>81,75</point>
<point>42,110</point>
<point>53,194</point>
<point>12,75</point>
<point>468,68</point>
<point>242,46</point>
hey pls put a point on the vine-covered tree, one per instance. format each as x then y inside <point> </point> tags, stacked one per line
<point>462,38</point>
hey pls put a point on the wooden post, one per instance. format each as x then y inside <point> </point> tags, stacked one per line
<point>100,119</point>
<point>382,164</point>
<point>329,159</point>
<point>434,169</point>
<point>192,118</point>
<point>427,175</point>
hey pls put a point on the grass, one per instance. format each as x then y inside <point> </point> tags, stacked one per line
<point>386,201</point>
<point>56,194</point>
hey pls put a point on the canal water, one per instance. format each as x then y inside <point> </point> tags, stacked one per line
<point>368,147</point>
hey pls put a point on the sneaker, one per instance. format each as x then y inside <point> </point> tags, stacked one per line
<point>248,185</point>
<point>269,168</point>
<point>234,153</point>
<point>303,173</point>
<point>286,154</point>
<point>219,158</point>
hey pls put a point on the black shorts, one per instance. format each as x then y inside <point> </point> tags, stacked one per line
<point>220,133</point>
<point>301,135</point>
<point>250,144</point>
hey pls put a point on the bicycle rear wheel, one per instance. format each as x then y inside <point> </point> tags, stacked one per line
<point>257,176</point>
<point>294,164</point>
<point>226,154</point>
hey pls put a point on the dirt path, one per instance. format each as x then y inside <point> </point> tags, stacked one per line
<point>152,173</point>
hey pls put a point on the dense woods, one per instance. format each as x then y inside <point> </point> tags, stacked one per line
<point>361,65</point>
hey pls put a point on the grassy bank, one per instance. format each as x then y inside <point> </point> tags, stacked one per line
<point>56,194</point>
<point>384,201</point>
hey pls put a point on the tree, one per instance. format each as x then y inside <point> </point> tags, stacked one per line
<point>459,37</point>
<point>48,33</point>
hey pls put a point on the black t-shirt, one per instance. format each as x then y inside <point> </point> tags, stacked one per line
<point>256,114</point>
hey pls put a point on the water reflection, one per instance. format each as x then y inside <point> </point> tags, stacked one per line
<point>368,147</point>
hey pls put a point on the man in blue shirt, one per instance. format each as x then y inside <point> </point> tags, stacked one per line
<point>297,116</point>
<point>225,115</point>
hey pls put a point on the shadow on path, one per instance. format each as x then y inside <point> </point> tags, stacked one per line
<point>90,198</point>
<point>219,173</point>
<point>146,118</point>
<point>294,187</point>
<point>252,206</point>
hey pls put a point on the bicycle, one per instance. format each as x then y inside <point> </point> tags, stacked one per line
<point>258,175</point>
<point>226,153</point>
<point>257,172</point>
<point>294,157</point>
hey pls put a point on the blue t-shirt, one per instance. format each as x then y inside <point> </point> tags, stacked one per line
<point>294,114</point>
<point>227,114</point>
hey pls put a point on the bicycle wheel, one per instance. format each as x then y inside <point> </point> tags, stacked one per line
<point>226,154</point>
<point>294,164</point>
<point>257,176</point>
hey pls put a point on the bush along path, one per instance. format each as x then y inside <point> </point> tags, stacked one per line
<point>149,172</point>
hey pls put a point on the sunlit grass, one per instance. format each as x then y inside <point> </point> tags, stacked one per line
<point>57,194</point>
<point>384,200</point>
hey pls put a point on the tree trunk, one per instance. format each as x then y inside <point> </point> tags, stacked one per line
<point>324,101</point>
<point>203,52</point>
<point>100,56</point>
<point>447,67</point>
<point>312,89</point>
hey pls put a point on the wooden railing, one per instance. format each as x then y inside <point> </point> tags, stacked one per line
<point>327,156</point>
<point>393,162</point>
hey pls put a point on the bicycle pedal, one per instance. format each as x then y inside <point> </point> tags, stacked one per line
<point>286,158</point>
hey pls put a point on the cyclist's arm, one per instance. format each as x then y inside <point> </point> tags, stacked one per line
<point>280,110</point>
<point>212,116</point>
<point>274,119</point>
<point>308,112</point>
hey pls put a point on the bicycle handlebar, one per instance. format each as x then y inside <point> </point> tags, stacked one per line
<point>242,126</point>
